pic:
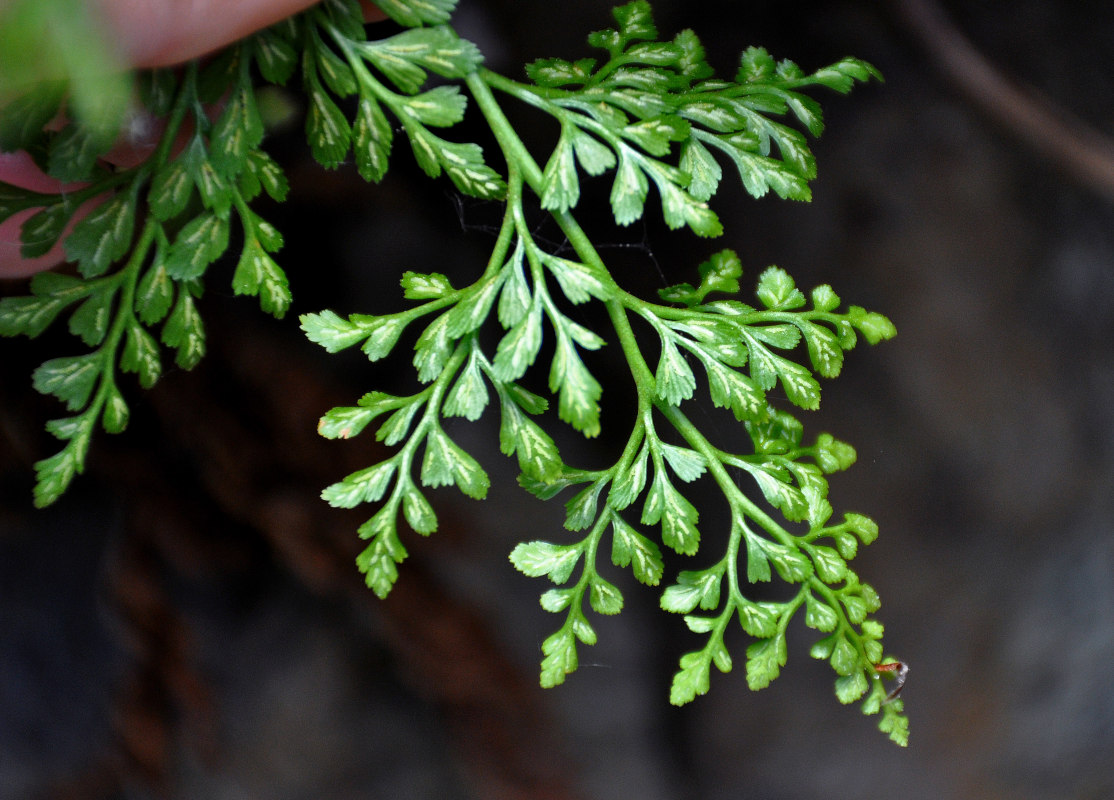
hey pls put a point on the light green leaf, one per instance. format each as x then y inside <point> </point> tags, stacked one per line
<point>844,659</point>
<point>473,308</point>
<point>688,465</point>
<point>555,600</point>
<point>873,326</point>
<point>560,181</point>
<point>677,515</point>
<point>579,391</point>
<point>824,298</point>
<point>397,426</point>
<point>382,334</point>
<point>765,659</point>
<point>579,281</point>
<point>538,456</point>
<point>378,560</point>
<point>543,558</point>
<point>344,422</point>
<point>363,486</point>
<point>830,566</point>
<point>629,547</point>
<point>833,455</point>
<point>468,398</point>
<point>851,687</point>
<point>560,657</point>
<point>865,527</point>
<point>693,679</point>
<point>758,565</point>
<point>605,598</point>
<point>819,615</point>
<point>332,331</point>
<point>628,192</point>
<point>760,620</point>
<point>580,511</point>
<point>54,474</point>
<point>791,564</point>
<point>433,348</point>
<point>420,286</point>
<point>440,107</point>
<point>628,484</point>
<point>674,378</point>
<point>417,510</point>
<point>446,463</point>
<point>777,291</point>
<point>693,589</point>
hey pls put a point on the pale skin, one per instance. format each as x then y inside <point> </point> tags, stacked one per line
<point>147,33</point>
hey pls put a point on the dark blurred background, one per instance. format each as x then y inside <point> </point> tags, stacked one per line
<point>188,623</point>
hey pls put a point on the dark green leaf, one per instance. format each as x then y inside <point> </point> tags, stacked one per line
<point>104,236</point>
<point>23,119</point>
<point>258,274</point>
<point>170,190</point>
<point>141,355</point>
<point>275,57</point>
<point>200,242</point>
<point>555,72</point>
<point>327,129</point>
<point>413,14</point>
<point>114,418</point>
<point>91,319</point>
<point>185,331</point>
<point>237,131</point>
<point>71,378</point>
<point>371,140</point>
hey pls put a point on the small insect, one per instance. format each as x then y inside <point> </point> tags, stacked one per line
<point>900,670</point>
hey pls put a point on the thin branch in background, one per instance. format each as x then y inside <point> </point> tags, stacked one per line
<point>1083,151</point>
